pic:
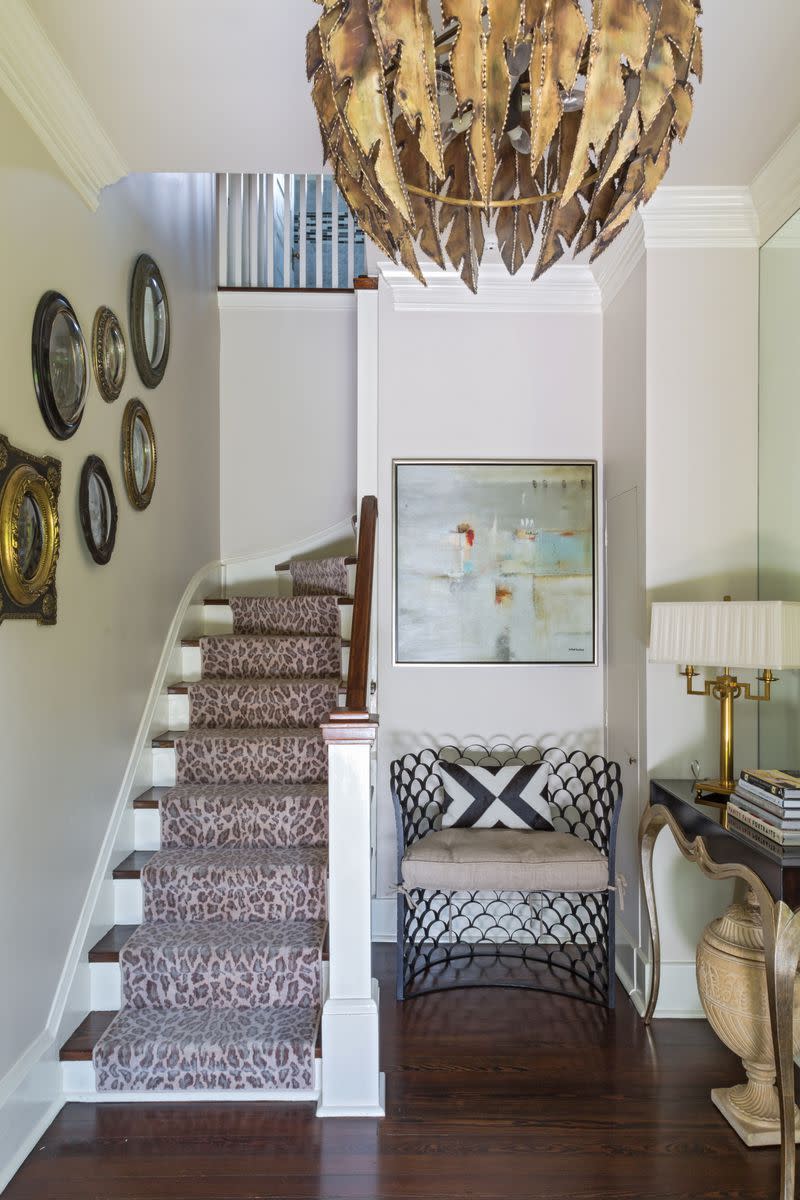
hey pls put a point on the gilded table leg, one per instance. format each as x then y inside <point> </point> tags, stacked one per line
<point>782,953</point>
<point>652,822</point>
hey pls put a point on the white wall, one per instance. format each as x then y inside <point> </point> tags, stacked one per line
<point>288,430</point>
<point>702,531</point>
<point>624,399</point>
<point>71,697</point>
<point>477,384</point>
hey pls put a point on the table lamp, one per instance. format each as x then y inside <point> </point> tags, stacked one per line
<point>757,634</point>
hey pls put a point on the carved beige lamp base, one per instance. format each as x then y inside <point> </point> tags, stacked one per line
<point>732,984</point>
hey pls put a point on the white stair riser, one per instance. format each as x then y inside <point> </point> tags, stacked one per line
<point>106,988</point>
<point>128,902</point>
<point>163,766</point>
<point>147,829</point>
<point>192,664</point>
<point>179,712</point>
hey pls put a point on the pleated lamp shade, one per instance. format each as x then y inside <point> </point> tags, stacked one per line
<point>726,633</point>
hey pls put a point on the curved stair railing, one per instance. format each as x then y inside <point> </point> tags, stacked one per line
<point>351,1079</point>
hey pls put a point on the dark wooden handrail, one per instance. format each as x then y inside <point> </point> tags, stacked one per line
<point>358,669</point>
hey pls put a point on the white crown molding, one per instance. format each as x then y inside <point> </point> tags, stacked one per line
<point>776,187</point>
<point>564,288</point>
<point>722,218</point>
<point>38,84</point>
<point>616,264</point>
<point>288,299</point>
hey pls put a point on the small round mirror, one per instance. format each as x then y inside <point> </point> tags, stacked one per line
<point>138,454</point>
<point>109,355</point>
<point>59,364</point>
<point>98,509</point>
<point>149,320</point>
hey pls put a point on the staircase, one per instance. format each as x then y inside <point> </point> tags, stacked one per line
<point>215,971</point>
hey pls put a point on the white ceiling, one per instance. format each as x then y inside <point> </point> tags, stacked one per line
<point>219,85</point>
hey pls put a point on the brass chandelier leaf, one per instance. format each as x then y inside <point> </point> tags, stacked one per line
<point>440,119</point>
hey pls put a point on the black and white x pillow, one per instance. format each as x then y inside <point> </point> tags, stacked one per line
<point>512,797</point>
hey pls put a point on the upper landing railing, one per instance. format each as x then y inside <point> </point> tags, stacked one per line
<point>286,231</point>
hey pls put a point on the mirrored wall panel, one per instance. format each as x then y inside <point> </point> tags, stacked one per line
<point>779,476</point>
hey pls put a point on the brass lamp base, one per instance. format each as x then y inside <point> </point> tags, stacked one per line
<point>726,688</point>
<point>715,787</point>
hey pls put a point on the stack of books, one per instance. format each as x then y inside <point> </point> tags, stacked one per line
<point>766,808</point>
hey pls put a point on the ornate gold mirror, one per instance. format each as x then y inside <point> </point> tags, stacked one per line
<point>138,454</point>
<point>29,534</point>
<point>60,364</point>
<point>149,321</point>
<point>109,355</point>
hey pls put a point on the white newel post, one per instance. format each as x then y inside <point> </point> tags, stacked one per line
<point>352,1084</point>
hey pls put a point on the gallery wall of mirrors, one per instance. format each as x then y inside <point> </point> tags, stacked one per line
<point>64,368</point>
<point>779,476</point>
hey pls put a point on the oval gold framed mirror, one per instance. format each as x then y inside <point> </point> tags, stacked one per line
<point>29,535</point>
<point>109,354</point>
<point>139,454</point>
<point>149,321</point>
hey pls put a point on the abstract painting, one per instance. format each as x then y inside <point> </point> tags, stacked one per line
<point>494,562</point>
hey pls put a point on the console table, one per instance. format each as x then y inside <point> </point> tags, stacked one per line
<point>775,879</point>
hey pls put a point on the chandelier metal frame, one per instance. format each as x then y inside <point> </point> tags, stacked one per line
<point>521,112</point>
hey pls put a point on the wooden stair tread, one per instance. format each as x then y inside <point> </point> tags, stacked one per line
<point>151,798</point>
<point>350,561</point>
<point>108,948</point>
<point>131,867</point>
<point>79,1046</point>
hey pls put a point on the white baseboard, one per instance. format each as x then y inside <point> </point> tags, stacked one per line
<point>30,1098</point>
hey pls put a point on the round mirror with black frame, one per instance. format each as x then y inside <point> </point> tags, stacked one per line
<point>109,354</point>
<point>98,509</point>
<point>149,321</point>
<point>60,365</point>
<point>139,454</point>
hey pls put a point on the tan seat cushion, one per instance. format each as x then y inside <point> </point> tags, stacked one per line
<point>504,860</point>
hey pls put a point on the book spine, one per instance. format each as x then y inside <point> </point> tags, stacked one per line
<point>775,789</point>
<point>762,806</point>
<point>758,795</point>
<point>767,843</point>
<point>762,827</point>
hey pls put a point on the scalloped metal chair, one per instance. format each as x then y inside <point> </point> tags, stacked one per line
<point>454,929</point>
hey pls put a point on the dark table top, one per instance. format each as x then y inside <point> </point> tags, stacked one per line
<point>779,871</point>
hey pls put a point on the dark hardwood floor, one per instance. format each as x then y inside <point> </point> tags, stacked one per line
<point>501,1095</point>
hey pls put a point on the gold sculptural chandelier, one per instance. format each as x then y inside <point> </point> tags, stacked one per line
<point>440,117</point>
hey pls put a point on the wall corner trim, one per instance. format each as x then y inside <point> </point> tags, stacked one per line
<point>776,187</point>
<point>39,85</point>
<point>565,288</point>
<point>715,218</point>
<point>615,266</point>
